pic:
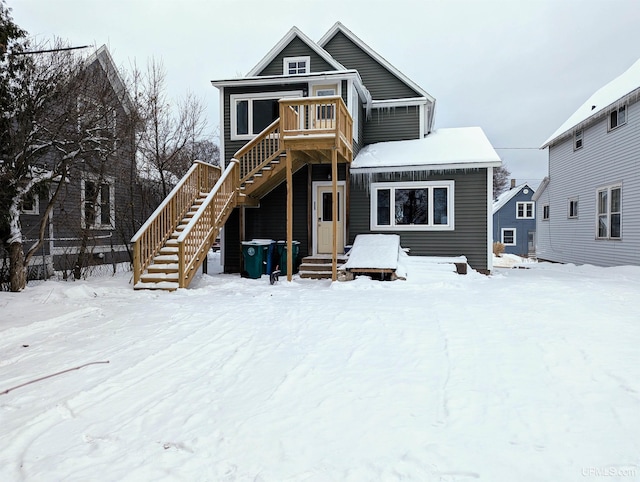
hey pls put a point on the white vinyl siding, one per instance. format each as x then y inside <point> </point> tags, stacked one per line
<point>608,158</point>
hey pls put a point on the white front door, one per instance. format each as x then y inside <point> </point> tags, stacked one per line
<point>323,211</point>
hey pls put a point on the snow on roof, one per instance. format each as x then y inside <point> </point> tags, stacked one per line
<point>611,93</point>
<point>506,196</point>
<point>451,148</point>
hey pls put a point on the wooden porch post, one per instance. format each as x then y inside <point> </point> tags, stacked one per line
<point>334,223</point>
<point>289,216</point>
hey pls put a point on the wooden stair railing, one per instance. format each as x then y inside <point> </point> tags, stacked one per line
<point>200,233</point>
<point>147,242</point>
<point>259,152</point>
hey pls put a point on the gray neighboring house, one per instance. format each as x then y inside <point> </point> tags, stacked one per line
<point>588,208</point>
<point>432,187</point>
<point>514,220</point>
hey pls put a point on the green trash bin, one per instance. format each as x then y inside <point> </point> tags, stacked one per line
<point>254,253</point>
<point>282,253</point>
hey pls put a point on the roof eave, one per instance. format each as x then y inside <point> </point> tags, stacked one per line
<point>428,167</point>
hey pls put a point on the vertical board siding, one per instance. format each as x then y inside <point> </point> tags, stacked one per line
<point>382,84</point>
<point>469,238</point>
<point>605,158</point>
<point>392,124</point>
<point>296,48</point>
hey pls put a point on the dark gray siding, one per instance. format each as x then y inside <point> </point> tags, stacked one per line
<point>269,221</point>
<point>296,48</point>
<point>382,84</point>
<point>469,238</point>
<point>392,124</point>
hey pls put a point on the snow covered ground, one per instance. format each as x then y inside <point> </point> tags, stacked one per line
<point>527,375</point>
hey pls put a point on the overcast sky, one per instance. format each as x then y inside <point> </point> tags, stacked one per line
<point>516,68</point>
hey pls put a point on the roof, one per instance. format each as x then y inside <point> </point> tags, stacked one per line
<point>103,57</point>
<point>286,40</point>
<point>507,196</point>
<point>452,148</point>
<point>610,96</point>
<point>338,27</point>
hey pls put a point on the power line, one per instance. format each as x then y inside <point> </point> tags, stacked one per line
<point>30,52</point>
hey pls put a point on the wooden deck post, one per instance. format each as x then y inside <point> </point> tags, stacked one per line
<point>334,185</point>
<point>289,215</point>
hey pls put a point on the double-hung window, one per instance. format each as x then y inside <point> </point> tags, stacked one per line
<point>577,140</point>
<point>508,236</point>
<point>545,212</point>
<point>98,203</point>
<point>252,113</point>
<point>617,117</point>
<point>609,212</point>
<point>420,205</point>
<point>525,210</point>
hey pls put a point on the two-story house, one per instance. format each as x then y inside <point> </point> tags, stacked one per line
<point>92,216</point>
<point>514,220</point>
<point>330,141</point>
<point>588,208</point>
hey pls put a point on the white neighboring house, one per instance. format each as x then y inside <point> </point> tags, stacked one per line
<point>588,208</point>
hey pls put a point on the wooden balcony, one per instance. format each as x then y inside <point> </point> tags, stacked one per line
<point>314,126</point>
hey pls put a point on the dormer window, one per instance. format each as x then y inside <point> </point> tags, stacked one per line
<point>296,65</point>
<point>618,117</point>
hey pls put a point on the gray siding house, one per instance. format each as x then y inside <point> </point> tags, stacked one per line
<point>514,220</point>
<point>432,187</point>
<point>92,218</point>
<point>588,208</point>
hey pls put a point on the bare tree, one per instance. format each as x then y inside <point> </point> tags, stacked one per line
<point>169,134</point>
<point>500,180</point>
<point>57,122</point>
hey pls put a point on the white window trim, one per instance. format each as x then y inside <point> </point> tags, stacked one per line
<point>617,111</point>
<point>352,98</point>
<point>578,136</point>
<point>287,60</point>
<point>375,186</point>
<point>546,218</point>
<point>251,97</point>
<point>502,236</point>
<point>533,210</point>
<point>36,205</point>
<point>577,213</point>
<point>112,202</point>
<point>608,188</point>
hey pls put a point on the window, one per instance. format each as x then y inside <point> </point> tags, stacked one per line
<point>296,65</point>
<point>618,117</point>
<point>30,203</point>
<point>98,204</point>
<point>545,212</point>
<point>96,117</point>
<point>508,237</point>
<point>422,206</point>
<point>609,212</point>
<point>577,140</point>
<point>572,211</point>
<point>250,115</point>
<point>525,210</point>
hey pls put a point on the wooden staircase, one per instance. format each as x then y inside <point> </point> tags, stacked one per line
<point>174,242</point>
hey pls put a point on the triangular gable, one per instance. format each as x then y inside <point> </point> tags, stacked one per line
<point>340,28</point>
<point>507,196</point>
<point>284,42</point>
<point>103,57</point>
<point>613,94</point>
